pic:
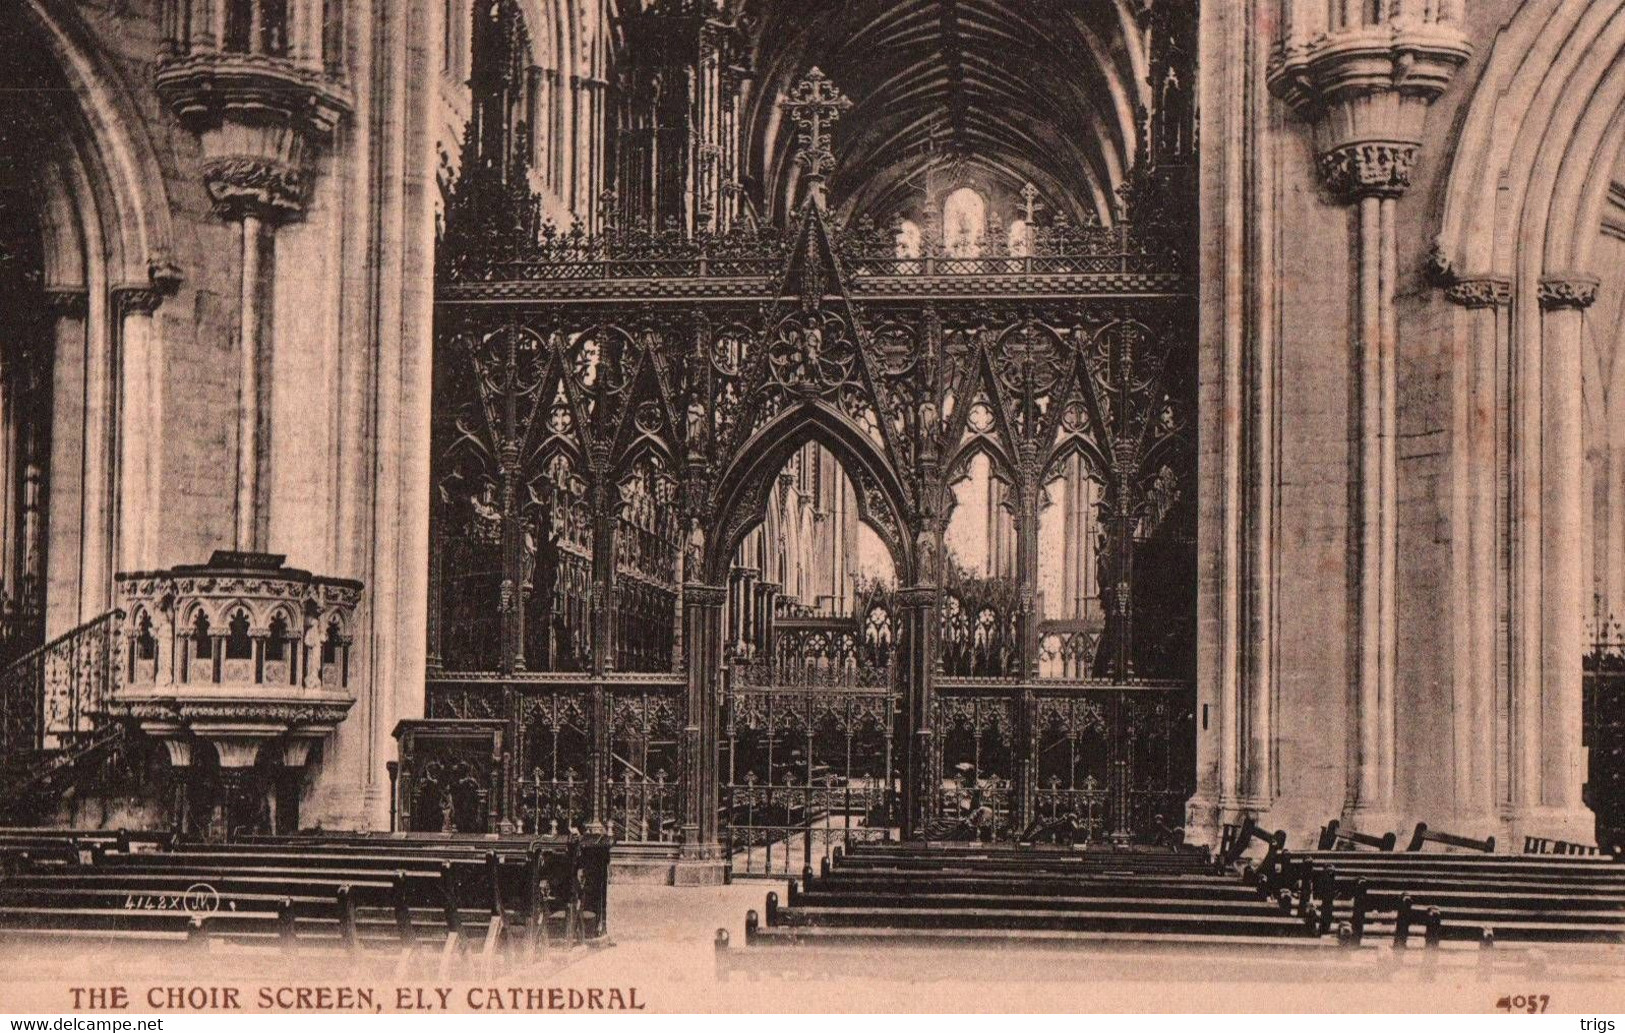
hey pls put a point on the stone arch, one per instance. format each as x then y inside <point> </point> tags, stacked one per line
<point>120,164</point>
<point>741,492</point>
<point>108,247</point>
<point>1522,205</point>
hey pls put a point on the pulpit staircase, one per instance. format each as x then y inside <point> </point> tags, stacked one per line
<point>56,729</point>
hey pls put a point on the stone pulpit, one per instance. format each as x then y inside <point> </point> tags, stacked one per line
<point>239,667</point>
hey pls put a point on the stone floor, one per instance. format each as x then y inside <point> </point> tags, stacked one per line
<point>663,940</point>
<point>662,944</point>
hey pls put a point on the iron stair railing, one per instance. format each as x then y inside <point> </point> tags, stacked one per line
<point>54,710</point>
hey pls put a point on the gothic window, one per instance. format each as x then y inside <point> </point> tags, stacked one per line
<point>647,541</point>
<point>330,644</point>
<point>908,239</point>
<point>146,645</point>
<point>1071,618</point>
<point>274,26</point>
<point>143,651</point>
<point>202,641</point>
<point>257,26</point>
<point>964,223</point>
<point>201,651</point>
<point>276,646</point>
<point>238,645</point>
<point>1020,240</point>
<point>335,656</point>
<point>981,588</point>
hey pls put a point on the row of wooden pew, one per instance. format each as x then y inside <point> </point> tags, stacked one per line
<point>1350,896</point>
<point>953,893</point>
<point>1356,885</point>
<point>355,893</point>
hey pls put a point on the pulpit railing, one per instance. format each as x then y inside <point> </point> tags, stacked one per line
<point>52,693</point>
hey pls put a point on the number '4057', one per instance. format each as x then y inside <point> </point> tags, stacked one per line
<point>1533,1004</point>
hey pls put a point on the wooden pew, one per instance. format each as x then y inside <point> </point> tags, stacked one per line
<point>358,893</point>
<point>1424,835</point>
<point>1245,835</point>
<point>1015,895</point>
<point>1333,836</point>
<point>569,875</point>
<point>1559,847</point>
<point>123,925</point>
<point>458,894</point>
<point>1508,899</point>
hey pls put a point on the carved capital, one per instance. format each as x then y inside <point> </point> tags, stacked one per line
<point>136,298</point>
<point>1370,168</point>
<point>164,272</point>
<point>1568,290</point>
<point>705,595</point>
<point>1480,292</point>
<point>66,302</point>
<point>917,596</point>
<point>261,187</point>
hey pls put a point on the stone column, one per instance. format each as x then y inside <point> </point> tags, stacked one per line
<point>1025,735</point>
<point>255,192</point>
<point>1071,542</point>
<point>1479,472</point>
<point>1364,77</point>
<point>702,860</point>
<point>140,423</point>
<point>919,612</point>
<point>1565,597</point>
<point>1372,176</point>
<point>69,309</point>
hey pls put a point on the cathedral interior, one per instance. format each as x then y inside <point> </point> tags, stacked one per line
<point>747,428</point>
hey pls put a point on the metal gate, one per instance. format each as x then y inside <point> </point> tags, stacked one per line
<point>808,757</point>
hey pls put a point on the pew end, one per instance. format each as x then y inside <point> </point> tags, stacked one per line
<point>1424,835</point>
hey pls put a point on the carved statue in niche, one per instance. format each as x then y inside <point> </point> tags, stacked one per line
<point>312,643</point>
<point>925,547</point>
<point>697,421</point>
<point>464,800</point>
<point>164,632</point>
<point>485,513</point>
<point>428,811</point>
<point>694,551</point>
<point>928,429</point>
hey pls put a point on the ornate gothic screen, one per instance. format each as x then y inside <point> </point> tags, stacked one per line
<point>831,474</point>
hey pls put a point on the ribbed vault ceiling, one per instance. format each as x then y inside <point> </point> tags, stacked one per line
<point>1008,90</point>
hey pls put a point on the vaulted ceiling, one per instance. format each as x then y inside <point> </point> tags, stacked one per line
<point>1010,91</point>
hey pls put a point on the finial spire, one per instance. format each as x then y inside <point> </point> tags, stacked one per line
<point>815,105</point>
<point>1030,203</point>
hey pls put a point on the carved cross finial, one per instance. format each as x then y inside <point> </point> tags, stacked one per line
<point>1030,204</point>
<point>815,105</point>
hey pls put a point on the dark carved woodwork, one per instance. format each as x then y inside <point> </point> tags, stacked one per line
<point>613,409</point>
<point>450,775</point>
<point>1603,733</point>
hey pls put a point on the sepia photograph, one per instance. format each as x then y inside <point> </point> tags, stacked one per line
<point>539,507</point>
